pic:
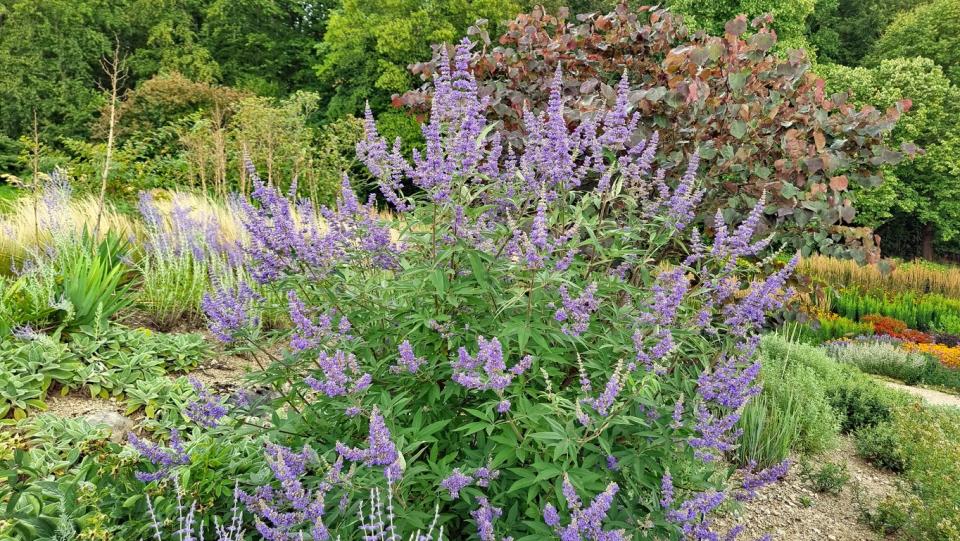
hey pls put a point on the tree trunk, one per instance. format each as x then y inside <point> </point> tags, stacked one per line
<point>928,236</point>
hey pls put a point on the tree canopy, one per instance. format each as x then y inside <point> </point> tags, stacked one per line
<point>926,189</point>
<point>931,30</point>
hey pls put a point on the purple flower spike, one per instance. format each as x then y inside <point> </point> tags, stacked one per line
<point>584,523</point>
<point>575,313</point>
<point>487,370</point>
<point>456,482</point>
<point>381,450</point>
<point>408,361</point>
<point>228,309</point>
<point>208,408</point>
<point>341,375</point>
<point>485,516</point>
<point>164,459</point>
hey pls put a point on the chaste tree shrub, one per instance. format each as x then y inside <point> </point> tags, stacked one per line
<point>761,122</point>
<point>536,343</point>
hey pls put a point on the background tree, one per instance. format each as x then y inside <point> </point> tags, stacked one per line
<point>844,31</point>
<point>265,46</point>
<point>789,16</point>
<point>931,30</point>
<point>369,44</point>
<point>50,53</point>
<point>920,200</point>
<point>760,122</point>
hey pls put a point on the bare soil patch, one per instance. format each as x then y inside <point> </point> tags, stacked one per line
<point>790,510</point>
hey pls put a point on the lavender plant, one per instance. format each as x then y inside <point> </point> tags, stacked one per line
<point>527,327</point>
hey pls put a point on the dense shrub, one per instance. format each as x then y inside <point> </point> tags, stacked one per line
<point>504,345</point>
<point>880,358</point>
<point>861,402</point>
<point>924,444</point>
<point>879,445</point>
<point>790,377</point>
<point>930,439</point>
<point>761,122</point>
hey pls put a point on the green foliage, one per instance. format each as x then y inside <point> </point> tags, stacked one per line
<point>770,425</point>
<point>335,155</point>
<point>171,289</point>
<point>368,45</point>
<point>922,189</point>
<point>50,52</point>
<point>879,445</point>
<point>107,361</point>
<point>923,312</point>
<point>829,478</point>
<point>825,328</point>
<point>892,361</point>
<point>789,16</point>
<point>930,30</point>
<point>28,370</point>
<point>25,301</point>
<point>924,444</point>
<point>163,401</point>
<point>844,31</point>
<point>93,275</point>
<point>881,358</point>
<point>889,515</point>
<point>794,385</point>
<point>795,144</point>
<point>861,402</point>
<point>930,439</point>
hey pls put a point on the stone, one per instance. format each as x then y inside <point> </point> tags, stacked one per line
<point>118,424</point>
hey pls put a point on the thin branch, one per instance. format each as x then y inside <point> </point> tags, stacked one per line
<point>115,68</point>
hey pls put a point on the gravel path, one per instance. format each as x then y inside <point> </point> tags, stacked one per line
<point>791,511</point>
<point>934,398</point>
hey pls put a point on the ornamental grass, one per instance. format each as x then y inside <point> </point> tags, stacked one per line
<point>886,277</point>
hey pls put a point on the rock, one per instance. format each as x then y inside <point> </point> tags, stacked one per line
<point>118,424</point>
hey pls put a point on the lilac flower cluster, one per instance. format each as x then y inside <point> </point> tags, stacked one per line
<point>485,516</point>
<point>281,514</point>
<point>208,409</point>
<point>655,324</point>
<point>457,480</point>
<point>408,361</point>
<point>229,309</point>
<point>308,333</point>
<point>586,524</point>
<point>164,459</point>
<point>605,401</point>
<point>380,450</point>
<point>577,311</point>
<point>297,239</point>
<point>341,375</point>
<point>487,370</point>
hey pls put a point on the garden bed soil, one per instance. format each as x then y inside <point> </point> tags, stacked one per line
<point>219,372</point>
<point>791,511</point>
